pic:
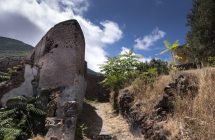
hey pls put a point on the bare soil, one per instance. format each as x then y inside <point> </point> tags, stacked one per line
<point>101,123</point>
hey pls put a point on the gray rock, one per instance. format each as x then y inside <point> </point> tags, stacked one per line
<point>60,57</point>
<point>57,64</point>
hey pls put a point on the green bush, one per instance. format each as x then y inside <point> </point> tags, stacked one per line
<point>161,66</point>
<point>211,61</point>
<point>149,76</point>
<point>4,78</point>
<point>119,70</point>
<point>22,118</point>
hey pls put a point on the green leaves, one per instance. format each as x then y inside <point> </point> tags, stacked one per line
<point>119,70</point>
<point>201,37</point>
<point>171,48</point>
<point>9,133</point>
<point>21,116</point>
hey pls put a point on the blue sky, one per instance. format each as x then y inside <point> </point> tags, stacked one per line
<point>110,27</point>
<point>139,17</point>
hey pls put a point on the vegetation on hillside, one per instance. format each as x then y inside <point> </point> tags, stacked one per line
<point>22,118</point>
<point>6,76</point>
<point>122,70</point>
<point>201,37</point>
<point>125,68</point>
<point>171,47</point>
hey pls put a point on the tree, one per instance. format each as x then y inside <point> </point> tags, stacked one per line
<point>171,48</point>
<point>201,37</point>
<point>118,71</point>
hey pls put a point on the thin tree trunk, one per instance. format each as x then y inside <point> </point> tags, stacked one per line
<point>173,58</point>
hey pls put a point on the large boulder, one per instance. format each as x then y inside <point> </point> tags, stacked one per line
<point>57,68</point>
<point>60,57</point>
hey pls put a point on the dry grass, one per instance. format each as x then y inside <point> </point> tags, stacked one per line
<point>197,116</point>
<point>150,95</point>
<point>38,137</point>
<point>194,116</point>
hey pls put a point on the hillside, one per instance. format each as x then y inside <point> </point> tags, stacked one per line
<point>176,106</point>
<point>12,47</point>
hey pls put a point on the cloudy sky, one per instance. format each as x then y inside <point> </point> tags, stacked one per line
<point>110,27</point>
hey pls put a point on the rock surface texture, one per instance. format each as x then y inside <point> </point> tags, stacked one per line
<point>56,71</point>
<point>60,58</point>
<point>151,125</point>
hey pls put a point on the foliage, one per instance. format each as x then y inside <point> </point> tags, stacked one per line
<point>171,48</point>
<point>22,118</point>
<point>118,70</point>
<point>6,76</point>
<point>149,76</point>
<point>161,66</point>
<point>211,61</point>
<point>201,37</point>
<point>81,131</point>
<point>126,67</point>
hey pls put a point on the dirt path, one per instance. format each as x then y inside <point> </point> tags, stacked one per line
<point>100,121</point>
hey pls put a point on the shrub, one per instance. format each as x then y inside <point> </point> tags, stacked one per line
<point>211,61</point>
<point>119,70</point>
<point>149,76</point>
<point>22,118</point>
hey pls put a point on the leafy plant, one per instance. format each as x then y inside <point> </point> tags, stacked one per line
<point>171,48</point>
<point>119,70</point>
<point>6,76</point>
<point>81,131</point>
<point>149,76</point>
<point>211,61</point>
<point>161,66</point>
<point>22,118</point>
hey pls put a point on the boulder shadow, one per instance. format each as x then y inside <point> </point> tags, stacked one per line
<point>90,120</point>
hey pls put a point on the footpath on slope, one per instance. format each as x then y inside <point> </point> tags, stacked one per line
<point>101,122</point>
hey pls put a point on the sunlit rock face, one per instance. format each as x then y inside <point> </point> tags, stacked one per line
<point>60,54</point>
<point>59,57</point>
<point>56,70</point>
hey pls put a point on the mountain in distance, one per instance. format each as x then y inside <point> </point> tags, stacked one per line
<point>13,47</point>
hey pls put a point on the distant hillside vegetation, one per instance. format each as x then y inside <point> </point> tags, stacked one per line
<point>12,47</point>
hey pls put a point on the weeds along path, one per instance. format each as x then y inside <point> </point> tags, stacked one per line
<point>100,120</point>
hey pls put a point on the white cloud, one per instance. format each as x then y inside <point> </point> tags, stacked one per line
<point>109,29</point>
<point>43,14</point>
<point>147,41</point>
<point>143,59</point>
<point>125,50</point>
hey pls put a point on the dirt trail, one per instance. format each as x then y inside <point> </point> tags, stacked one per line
<point>101,121</point>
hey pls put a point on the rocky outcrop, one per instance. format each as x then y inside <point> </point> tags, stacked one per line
<point>151,125</point>
<point>60,59</point>
<point>56,71</point>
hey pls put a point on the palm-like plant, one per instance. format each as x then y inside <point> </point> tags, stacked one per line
<point>171,47</point>
<point>22,118</point>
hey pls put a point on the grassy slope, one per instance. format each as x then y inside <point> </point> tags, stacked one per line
<point>193,118</point>
<point>12,47</point>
